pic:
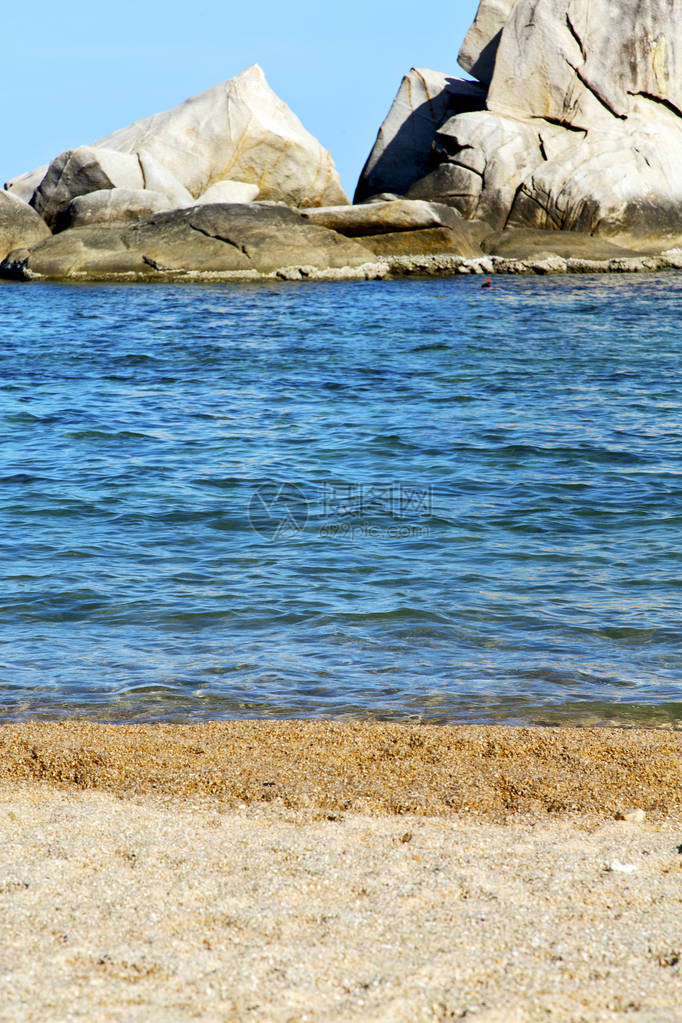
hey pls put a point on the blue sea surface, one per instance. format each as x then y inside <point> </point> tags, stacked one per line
<point>410,500</point>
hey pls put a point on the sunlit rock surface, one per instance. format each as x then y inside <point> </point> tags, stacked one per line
<point>583,122</point>
<point>238,132</point>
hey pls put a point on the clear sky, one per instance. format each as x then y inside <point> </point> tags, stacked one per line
<point>75,73</point>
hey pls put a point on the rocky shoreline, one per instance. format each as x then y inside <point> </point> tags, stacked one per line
<point>561,154</point>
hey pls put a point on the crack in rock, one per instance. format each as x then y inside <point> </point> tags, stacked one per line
<point>574,33</point>
<point>658,99</point>
<point>220,238</point>
<point>560,124</point>
<point>157,266</point>
<point>595,92</point>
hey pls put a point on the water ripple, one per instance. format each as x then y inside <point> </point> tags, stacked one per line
<point>487,525</point>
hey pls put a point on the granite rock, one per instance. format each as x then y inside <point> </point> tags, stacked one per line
<point>532,244</point>
<point>238,130</point>
<point>582,127</point>
<point>229,191</point>
<point>402,216</point>
<point>20,226</point>
<point>426,242</point>
<point>402,152</point>
<point>238,137</point>
<point>79,172</point>
<point>478,51</point>
<point>234,239</point>
<point>111,205</point>
<point>158,178</point>
<point>588,64</point>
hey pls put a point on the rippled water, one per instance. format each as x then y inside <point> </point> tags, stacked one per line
<point>481,518</point>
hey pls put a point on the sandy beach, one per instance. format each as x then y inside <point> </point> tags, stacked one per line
<point>302,871</point>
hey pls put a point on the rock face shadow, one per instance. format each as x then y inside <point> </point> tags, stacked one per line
<point>483,68</point>
<point>403,153</point>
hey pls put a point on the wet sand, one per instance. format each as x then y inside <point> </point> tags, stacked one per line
<point>312,871</point>
<point>484,772</point>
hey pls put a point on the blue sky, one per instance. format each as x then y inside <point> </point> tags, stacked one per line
<point>75,73</point>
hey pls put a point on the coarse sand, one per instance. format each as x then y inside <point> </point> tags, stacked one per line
<point>312,871</point>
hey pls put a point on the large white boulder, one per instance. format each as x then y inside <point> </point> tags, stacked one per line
<point>238,133</point>
<point>239,130</point>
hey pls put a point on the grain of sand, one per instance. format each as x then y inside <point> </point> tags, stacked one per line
<point>309,871</point>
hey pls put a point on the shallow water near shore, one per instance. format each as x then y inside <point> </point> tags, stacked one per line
<point>404,500</point>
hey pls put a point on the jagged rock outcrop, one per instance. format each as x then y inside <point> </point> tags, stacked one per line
<point>478,51</point>
<point>402,152</point>
<point>19,224</point>
<point>239,239</point>
<point>582,129</point>
<point>238,132</point>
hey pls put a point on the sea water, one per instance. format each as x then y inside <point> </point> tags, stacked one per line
<point>412,500</point>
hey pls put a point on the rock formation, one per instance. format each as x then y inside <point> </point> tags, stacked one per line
<point>239,131</point>
<point>402,153</point>
<point>564,155</point>
<point>403,226</point>
<point>111,206</point>
<point>582,126</point>
<point>19,225</point>
<point>233,238</point>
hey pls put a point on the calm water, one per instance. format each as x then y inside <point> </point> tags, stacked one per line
<point>404,500</point>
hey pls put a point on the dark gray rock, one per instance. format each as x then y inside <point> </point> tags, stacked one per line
<point>428,242</point>
<point>20,226</point>
<point>244,240</point>
<point>79,172</point>
<point>528,244</point>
